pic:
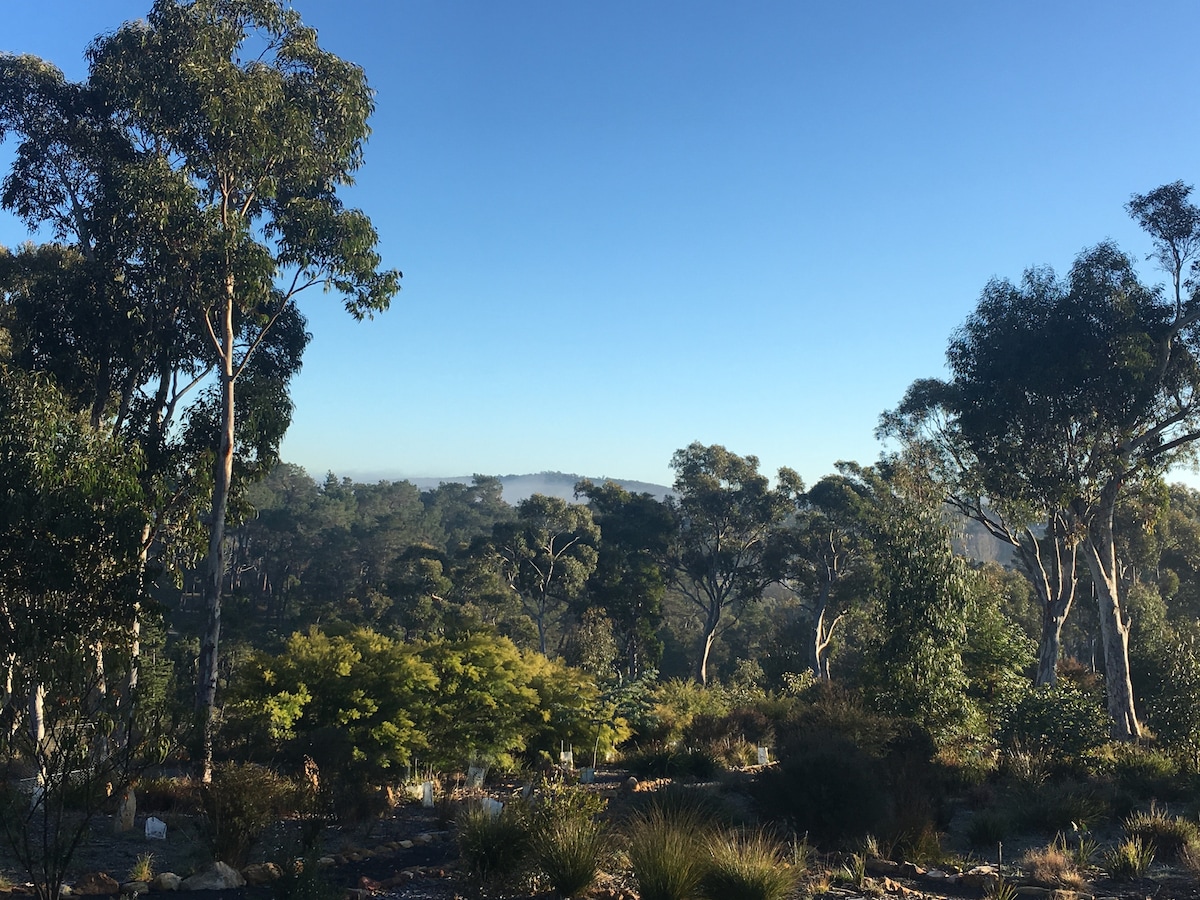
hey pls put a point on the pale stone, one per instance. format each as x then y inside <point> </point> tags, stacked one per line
<point>217,877</point>
<point>166,881</point>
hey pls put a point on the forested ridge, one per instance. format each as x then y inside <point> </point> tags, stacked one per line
<point>172,593</point>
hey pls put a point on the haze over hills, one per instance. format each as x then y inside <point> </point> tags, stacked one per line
<point>520,487</point>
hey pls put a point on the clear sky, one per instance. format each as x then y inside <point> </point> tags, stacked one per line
<point>629,225</point>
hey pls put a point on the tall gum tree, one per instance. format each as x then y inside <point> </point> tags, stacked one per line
<point>728,517</point>
<point>1045,539</point>
<point>1074,391</point>
<point>260,127</point>
<point>102,307</point>
<point>547,556</point>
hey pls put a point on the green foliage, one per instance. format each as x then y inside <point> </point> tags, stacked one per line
<point>1058,805</point>
<point>925,592</point>
<point>362,704</point>
<point>666,853</point>
<point>727,512</point>
<point>677,702</point>
<point>1128,860</point>
<point>351,701</point>
<point>495,848</point>
<point>1171,837</point>
<point>1147,773</point>
<point>1059,721</point>
<point>547,555</point>
<point>674,762</point>
<point>240,802</point>
<point>989,827</point>
<point>747,866</point>
<point>829,788</point>
<point>568,838</point>
<point>628,583</point>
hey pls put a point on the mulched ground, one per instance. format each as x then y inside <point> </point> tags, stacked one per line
<point>372,862</point>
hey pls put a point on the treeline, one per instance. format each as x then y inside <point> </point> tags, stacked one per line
<point>839,581</point>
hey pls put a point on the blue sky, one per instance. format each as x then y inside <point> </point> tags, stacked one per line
<point>629,225</point>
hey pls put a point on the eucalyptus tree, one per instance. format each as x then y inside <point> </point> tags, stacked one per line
<point>824,557</point>
<point>257,127</point>
<point>72,517</point>
<point>1069,393</point>
<point>546,556</point>
<point>628,584</point>
<point>925,597</point>
<point>1044,535</point>
<point>728,516</point>
<point>100,307</point>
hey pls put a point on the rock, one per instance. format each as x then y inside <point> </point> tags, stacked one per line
<point>980,878</point>
<point>97,884</point>
<point>217,877</point>
<point>166,881</point>
<point>882,866</point>
<point>424,838</point>
<point>133,888</point>
<point>326,862</point>
<point>405,845</point>
<point>261,873</point>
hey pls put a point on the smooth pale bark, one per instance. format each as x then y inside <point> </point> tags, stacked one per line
<point>822,634</point>
<point>1114,627</point>
<point>1054,583</point>
<point>1052,576</point>
<point>37,716</point>
<point>206,687</point>
<point>711,624</point>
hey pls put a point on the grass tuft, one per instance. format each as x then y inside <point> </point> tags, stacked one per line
<point>747,866</point>
<point>666,855</point>
<point>1129,859</point>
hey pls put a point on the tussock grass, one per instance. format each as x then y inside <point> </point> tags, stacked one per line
<point>666,853</point>
<point>747,866</point>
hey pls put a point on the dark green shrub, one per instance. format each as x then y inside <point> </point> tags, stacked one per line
<point>239,804</point>
<point>669,762</point>
<point>167,795</point>
<point>1147,773</point>
<point>1061,721</point>
<point>701,804</point>
<point>989,827</point>
<point>828,788</point>
<point>495,849</point>
<point>1058,805</point>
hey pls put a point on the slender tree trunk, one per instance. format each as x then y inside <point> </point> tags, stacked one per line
<point>1055,590</point>
<point>1114,627</point>
<point>822,633</point>
<point>712,622</point>
<point>37,721</point>
<point>206,687</point>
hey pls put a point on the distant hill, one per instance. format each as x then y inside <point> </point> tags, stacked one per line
<point>552,484</point>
